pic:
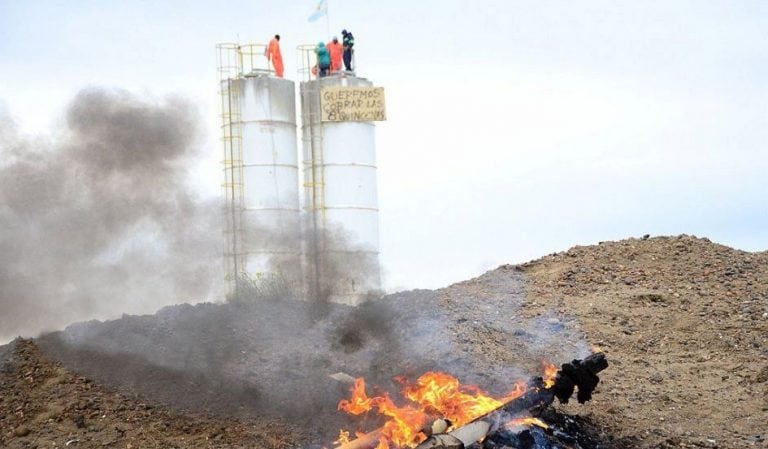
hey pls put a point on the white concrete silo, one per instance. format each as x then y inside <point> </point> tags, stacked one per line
<point>340,192</point>
<point>270,172</point>
<point>260,164</point>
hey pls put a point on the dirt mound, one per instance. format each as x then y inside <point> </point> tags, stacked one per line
<point>275,357</point>
<point>43,405</point>
<point>684,322</point>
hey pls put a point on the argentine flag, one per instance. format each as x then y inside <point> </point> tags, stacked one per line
<point>320,10</point>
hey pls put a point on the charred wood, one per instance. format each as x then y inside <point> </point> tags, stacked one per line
<point>535,399</point>
<point>505,440</point>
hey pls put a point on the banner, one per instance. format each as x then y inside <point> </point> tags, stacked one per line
<point>352,104</point>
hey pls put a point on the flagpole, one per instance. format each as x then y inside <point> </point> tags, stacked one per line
<point>327,20</point>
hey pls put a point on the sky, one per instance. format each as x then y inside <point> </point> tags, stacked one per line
<point>514,128</point>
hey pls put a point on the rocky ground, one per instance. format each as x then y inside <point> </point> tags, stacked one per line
<point>684,323</point>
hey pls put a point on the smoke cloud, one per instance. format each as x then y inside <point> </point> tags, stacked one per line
<point>100,220</point>
<point>318,264</point>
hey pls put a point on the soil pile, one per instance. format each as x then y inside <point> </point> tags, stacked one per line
<point>258,361</point>
<point>43,405</point>
<point>683,321</point>
<point>276,357</point>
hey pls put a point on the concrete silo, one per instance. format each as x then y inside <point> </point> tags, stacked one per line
<point>260,163</point>
<point>340,181</point>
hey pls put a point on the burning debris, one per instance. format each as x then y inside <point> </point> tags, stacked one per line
<point>442,413</point>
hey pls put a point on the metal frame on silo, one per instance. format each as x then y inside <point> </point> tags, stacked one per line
<point>229,68</point>
<point>340,187</point>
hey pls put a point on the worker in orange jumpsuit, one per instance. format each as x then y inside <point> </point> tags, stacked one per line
<point>273,54</point>
<point>335,49</point>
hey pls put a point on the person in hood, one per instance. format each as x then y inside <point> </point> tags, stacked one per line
<point>349,43</point>
<point>335,51</point>
<point>274,56</point>
<point>323,60</point>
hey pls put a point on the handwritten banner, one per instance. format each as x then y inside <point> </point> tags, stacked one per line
<point>352,104</point>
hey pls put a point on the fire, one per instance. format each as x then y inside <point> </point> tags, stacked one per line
<point>442,394</point>
<point>529,421</point>
<point>550,374</point>
<point>404,425</point>
<point>433,395</point>
<point>359,402</point>
<point>343,438</point>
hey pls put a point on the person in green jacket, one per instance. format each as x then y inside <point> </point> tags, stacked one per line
<point>323,60</point>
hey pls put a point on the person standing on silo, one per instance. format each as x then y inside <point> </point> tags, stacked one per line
<point>274,55</point>
<point>349,42</point>
<point>335,50</point>
<point>323,60</point>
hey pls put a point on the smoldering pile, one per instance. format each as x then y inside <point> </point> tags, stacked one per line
<point>274,355</point>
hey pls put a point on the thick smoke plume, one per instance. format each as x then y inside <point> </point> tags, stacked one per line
<point>100,220</point>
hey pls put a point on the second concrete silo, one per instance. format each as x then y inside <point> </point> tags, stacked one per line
<point>340,184</point>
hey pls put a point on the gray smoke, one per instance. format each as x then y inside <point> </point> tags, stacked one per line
<point>317,264</point>
<point>99,220</point>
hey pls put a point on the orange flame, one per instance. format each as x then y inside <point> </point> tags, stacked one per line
<point>550,374</point>
<point>343,438</point>
<point>432,395</point>
<point>529,421</point>
<point>442,394</point>
<point>359,402</point>
<point>404,426</point>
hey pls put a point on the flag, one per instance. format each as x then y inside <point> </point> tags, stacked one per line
<point>320,10</point>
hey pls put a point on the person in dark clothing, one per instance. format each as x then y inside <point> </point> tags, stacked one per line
<point>348,42</point>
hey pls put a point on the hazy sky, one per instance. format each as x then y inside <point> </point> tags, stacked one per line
<point>515,128</point>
